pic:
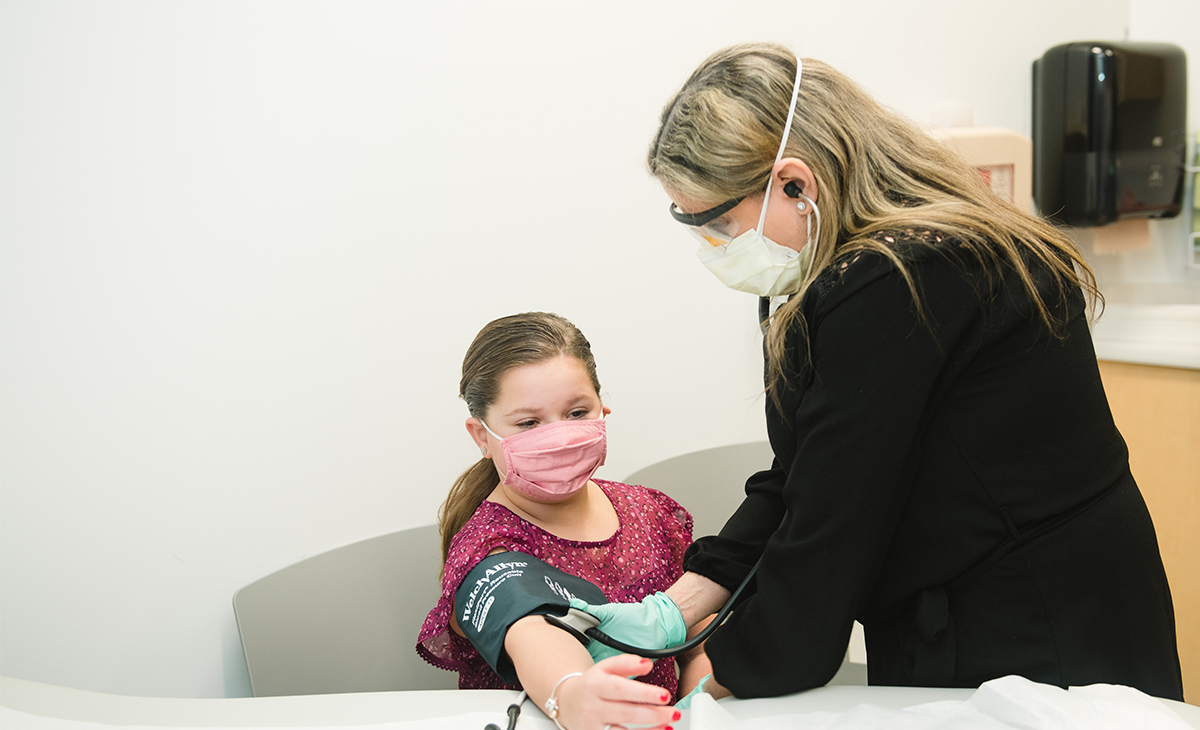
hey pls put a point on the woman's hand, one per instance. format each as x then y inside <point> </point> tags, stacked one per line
<point>653,623</point>
<point>686,702</point>
<point>707,685</point>
<point>604,695</point>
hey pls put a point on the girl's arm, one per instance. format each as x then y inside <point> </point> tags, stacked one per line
<point>602,695</point>
<point>693,665</point>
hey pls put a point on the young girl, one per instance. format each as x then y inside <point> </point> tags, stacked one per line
<point>529,378</point>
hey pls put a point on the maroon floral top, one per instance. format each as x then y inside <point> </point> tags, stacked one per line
<point>644,556</point>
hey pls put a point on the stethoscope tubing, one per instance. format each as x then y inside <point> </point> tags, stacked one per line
<point>514,711</point>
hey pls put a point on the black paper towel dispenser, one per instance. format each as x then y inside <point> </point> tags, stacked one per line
<point>1109,131</point>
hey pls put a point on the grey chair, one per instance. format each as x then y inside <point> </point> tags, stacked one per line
<point>345,620</point>
<point>710,484</point>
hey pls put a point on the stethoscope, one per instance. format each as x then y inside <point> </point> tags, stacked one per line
<point>582,624</point>
<point>585,626</point>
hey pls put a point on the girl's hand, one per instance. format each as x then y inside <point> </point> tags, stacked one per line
<point>604,695</point>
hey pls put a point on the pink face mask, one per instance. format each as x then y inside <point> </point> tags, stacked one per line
<point>551,462</point>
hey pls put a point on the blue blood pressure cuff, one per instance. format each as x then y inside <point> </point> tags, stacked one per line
<point>505,587</point>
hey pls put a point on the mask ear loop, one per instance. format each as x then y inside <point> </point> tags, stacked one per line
<point>493,433</point>
<point>787,129</point>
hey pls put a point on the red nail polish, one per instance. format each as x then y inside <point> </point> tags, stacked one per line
<point>678,715</point>
<point>664,697</point>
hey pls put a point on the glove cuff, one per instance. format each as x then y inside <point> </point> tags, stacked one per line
<point>670,618</point>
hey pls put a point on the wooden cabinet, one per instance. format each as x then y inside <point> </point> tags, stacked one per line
<point>1157,410</point>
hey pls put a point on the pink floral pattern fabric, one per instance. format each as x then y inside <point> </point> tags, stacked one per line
<point>644,556</point>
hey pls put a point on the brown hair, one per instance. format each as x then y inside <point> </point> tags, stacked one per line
<point>504,344</point>
<point>876,172</point>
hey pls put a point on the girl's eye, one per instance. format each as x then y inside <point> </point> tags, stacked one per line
<point>580,413</point>
<point>527,424</point>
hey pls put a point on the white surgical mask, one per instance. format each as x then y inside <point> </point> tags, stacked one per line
<point>755,264</point>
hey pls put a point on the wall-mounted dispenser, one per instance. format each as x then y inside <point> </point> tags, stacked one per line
<point>1194,251</point>
<point>1109,131</point>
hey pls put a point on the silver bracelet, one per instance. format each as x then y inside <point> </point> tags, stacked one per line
<point>552,701</point>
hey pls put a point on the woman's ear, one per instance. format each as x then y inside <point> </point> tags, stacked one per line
<point>605,410</point>
<point>479,435</point>
<point>791,175</point>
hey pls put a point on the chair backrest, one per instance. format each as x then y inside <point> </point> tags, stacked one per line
<point>709,483</point>
<point>345,620</point>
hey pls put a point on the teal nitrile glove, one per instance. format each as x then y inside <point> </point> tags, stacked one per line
<point>655,623</point>
<point>686,702</point>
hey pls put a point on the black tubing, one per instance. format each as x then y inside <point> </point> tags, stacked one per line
<point>603,638</point>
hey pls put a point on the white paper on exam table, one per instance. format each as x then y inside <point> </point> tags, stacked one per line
<point>14,720</point>
<point>1008,703</point>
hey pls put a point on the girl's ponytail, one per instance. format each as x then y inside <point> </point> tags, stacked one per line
<point>468,492</point>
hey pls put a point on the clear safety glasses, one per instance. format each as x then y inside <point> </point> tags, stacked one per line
<point>715,228</point>
<point>711,226</point>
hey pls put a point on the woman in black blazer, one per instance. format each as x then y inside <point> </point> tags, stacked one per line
<point>947,470</point>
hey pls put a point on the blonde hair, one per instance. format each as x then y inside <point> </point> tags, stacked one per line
<point>504,344</point>
<point>876,172</point>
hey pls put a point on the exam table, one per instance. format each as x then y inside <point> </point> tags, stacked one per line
<point>35,706</point>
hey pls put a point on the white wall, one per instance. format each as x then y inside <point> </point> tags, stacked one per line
<point>245,244</point>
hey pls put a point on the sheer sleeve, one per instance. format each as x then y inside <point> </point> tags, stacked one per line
<point>678,525</point>
<point>437,643</point>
